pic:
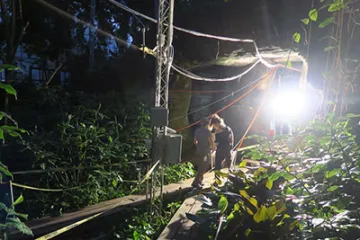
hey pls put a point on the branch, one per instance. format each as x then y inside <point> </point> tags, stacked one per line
<point>53,75</point>
<point>17,43</point>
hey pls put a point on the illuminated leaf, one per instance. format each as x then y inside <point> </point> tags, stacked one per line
<point>336,6</point>
<point>330,174</point>
<point>271,212</point>
<point>247,232</point>
<point>296,37</point>
<point>249,211</point>
<point>19,200</point>
<point>223,204</point>
<point>236,207</point>
<point>114,182</point>
<point>260,215</point>
<point>259,171</point>
<point>313,15</point>
<point>244,194</point>
<point>230,217</point>
<point>305,21</point>
<point>332,188</point>
<point>269,184</point>
<point>242,164</point>
<point>326,22</point>
<point>254,202</point>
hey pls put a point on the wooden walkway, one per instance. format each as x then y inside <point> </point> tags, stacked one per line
<point>48,224</point>
<point>179,227</point>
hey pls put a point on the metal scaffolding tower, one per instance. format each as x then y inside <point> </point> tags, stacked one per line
<point>164,56</point>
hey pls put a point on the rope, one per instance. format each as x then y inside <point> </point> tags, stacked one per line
<point>219,100</point>
<point>240,143</point>
<point>78,223</point>
<point>45,189</point>
<point>232,103</point>
<point>76,168</point>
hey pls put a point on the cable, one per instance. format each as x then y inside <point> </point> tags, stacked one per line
<point>199,34</point>
<point>196,77</point>
<point>198,91</point>
<point>239,144</point>
<point>145,49</point>
<point>75,19</point>
<point>223,98</point>
<point>232,103</point>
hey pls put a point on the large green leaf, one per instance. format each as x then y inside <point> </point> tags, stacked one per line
<point>313,15</point>
<point>261,214</point>
<point>8,88</point>
<point>223,204</point>
<point>326,22</point>
<point>336,6</point>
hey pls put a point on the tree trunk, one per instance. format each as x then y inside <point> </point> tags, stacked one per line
<point>179,107</point>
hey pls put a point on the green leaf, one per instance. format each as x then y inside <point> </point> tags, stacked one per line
<point>296,37</point>
<point>254,202</point>
<point>8,88</point>
<point>8,67</point>
<point>329,48</point>
<point>351,115</point>
<point>271,212</point>
<point>332,188</point>
<point>269,184</point>
<point>313,15</point>
<point>326,22</point>
<point>223,204</point>
<point>1,134</point>
<point>336,6</point>
<point>5,171</point>
<point>247,232</point>
<point>330,174</point>
<point>230,217</point>
<point>242,164</point>
<point>260,215</point>
<point>114,182</point>
<point>19,200</point>
<point>305,21</point>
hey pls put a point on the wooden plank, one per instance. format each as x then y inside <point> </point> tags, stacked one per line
<point>179,226</point>
<point>48,224</point>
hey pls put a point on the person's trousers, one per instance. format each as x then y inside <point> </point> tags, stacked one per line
<point>202,161</point>
<point>223,154</point>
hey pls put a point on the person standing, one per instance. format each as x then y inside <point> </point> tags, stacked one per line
<point>225,142</point>
<point>204,143</point>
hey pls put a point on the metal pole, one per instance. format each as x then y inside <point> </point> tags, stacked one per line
<point>164,56</point>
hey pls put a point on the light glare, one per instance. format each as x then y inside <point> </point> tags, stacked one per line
<point>289,104</point>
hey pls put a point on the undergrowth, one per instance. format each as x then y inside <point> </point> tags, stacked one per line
<point>306,187</point>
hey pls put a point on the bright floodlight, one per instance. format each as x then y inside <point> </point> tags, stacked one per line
<point>289,103</point>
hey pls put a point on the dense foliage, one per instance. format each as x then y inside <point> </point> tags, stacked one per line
<point>88,153</point>
<point>9,218</point>
<point>305,188</point>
